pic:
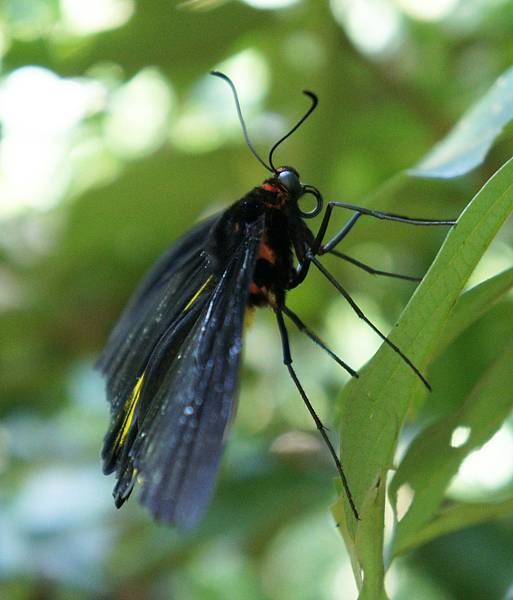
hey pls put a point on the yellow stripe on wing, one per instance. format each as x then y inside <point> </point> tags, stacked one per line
<point>197,294</point>
<point>131,405</point>
<point>130,411</point>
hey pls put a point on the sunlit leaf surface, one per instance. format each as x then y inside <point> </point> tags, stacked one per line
<point>468,143</point>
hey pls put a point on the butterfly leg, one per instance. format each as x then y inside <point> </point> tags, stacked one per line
<point>320,248</point>
<point>367,268</point>
<point>359,312</point>
<point>287,360</point>
<point>317,340</point>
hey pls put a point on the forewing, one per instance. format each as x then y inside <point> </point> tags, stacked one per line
<point>179,443</point>
<point>156,304</point>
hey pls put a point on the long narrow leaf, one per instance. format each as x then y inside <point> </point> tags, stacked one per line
<point>474,303</point>
<point>467,144</point>
<point>374,406</point>
<point>456,517</point>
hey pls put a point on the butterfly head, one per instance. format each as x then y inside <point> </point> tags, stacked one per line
<point>288,189</point>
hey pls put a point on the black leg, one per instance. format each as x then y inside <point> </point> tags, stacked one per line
<point>318,247</point>
<point>305,329</point>
<point>371,270</point>
<point>362,316</point>
<point>287,360</point>
<point>340,235</point>
<point>378,214</point>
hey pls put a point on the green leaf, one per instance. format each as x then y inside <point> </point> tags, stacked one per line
<point>365,548</point>
<point>467,144</point>
<point>474,303</point>
<point>456,517</point>
<point>374,406</point>
<point>434,458</point>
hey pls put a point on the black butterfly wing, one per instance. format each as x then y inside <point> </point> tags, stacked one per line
<point>177,406</point>
<point>156,303</point>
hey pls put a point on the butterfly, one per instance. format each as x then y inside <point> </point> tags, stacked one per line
<point>172,361</point>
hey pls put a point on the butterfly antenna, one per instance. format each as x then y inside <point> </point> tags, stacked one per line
<point>241,118</point>
<point>315,101</point>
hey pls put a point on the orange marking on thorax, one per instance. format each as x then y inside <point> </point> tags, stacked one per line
<point>265,252</point>
<point>254,289</point>
<point>280,195</point>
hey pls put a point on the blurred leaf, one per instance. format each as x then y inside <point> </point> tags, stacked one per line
<point>467,144</point>
<point>474,303</point>
<point>374,406</point>
<point>434,457</point>
<point>458,516</point>
<point>200,4</point>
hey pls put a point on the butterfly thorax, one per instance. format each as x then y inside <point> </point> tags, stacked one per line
<point>274,268</point>
<point>284,239</point>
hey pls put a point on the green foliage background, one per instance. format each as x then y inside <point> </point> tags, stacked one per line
<point>67,266</point>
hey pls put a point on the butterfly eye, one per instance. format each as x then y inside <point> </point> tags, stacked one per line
<point>290,182</point>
